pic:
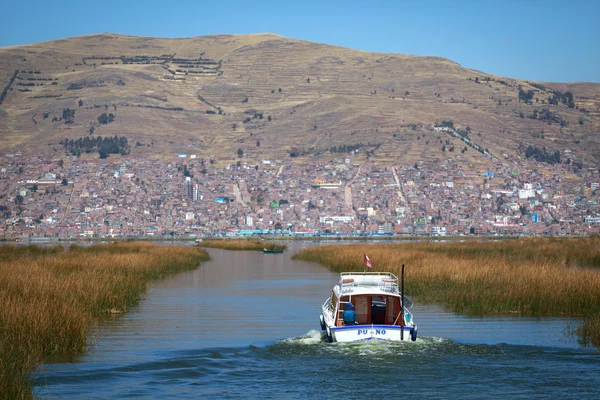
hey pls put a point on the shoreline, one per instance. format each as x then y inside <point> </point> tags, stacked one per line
<point>278,238</point>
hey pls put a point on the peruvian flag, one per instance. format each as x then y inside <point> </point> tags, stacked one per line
<point>368,262</point>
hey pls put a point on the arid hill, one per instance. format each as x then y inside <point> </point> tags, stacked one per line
<point>264,95</point>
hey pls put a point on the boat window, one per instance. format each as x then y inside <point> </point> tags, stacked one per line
<point>378,308</point>
<point>379,301</point>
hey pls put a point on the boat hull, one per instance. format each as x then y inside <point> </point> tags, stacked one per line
<point>372,332</point>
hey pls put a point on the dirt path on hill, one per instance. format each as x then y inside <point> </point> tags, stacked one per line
<point>238,195</point>
<point>400,194</point>
<point>348,190</point>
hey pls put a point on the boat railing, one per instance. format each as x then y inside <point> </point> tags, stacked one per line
<point>408,317</point>
<point>389,285</point>
<point>328,305</point>
<point>385,281</point>
<point>370,273</point>
<point>347,284</point>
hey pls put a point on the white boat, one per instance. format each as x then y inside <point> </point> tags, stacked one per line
<point>381,309</point>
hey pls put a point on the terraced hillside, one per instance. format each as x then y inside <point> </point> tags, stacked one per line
<point>271,96</point>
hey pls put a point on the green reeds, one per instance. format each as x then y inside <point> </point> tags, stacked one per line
<point>49,297</point>
<point>241,244</point>
<point>533,277</point>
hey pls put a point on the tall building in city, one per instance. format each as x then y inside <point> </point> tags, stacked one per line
<point>188,187</point>
<point>196,193</point>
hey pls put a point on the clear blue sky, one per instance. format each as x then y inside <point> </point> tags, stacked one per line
<point>543,40</point>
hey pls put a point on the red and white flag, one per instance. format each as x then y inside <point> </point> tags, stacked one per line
<point>368,262</point>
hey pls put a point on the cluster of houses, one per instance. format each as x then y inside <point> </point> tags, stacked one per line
<point>49,197</point>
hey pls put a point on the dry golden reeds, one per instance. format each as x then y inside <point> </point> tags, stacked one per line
<point>241,244</point>
<point>49,297</point>
<point>535,277</point>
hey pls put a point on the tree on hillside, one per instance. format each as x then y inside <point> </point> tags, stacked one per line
<point>105,119</point>
<point>68,115</point>
<point>525,96</point>
<point>240,153</point>
<point>448,124</point>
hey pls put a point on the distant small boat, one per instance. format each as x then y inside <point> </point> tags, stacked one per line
<point>272,251</point>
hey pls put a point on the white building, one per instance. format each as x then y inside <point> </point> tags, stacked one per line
<point>196,193</point>
<point>526,193</point>
<point>438,231</point>
<point>337,218</point>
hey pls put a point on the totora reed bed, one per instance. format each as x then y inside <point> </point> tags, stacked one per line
<point>49,298</point>
<point>529,277</point>
<point>241,244</point>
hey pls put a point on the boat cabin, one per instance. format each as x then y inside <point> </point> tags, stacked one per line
<point>375,297</point>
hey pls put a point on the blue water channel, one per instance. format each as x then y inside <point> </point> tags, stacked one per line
<point>245,325</point>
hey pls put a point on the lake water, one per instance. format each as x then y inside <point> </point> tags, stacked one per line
<point>245,325</point>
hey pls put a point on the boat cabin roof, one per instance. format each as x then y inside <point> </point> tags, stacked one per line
<point>375,283</point>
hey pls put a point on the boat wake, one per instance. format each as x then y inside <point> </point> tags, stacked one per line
<point>315,342</point>
<point>311,337</point>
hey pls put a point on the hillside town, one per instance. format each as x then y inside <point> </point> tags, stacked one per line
<point>51,198</point>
